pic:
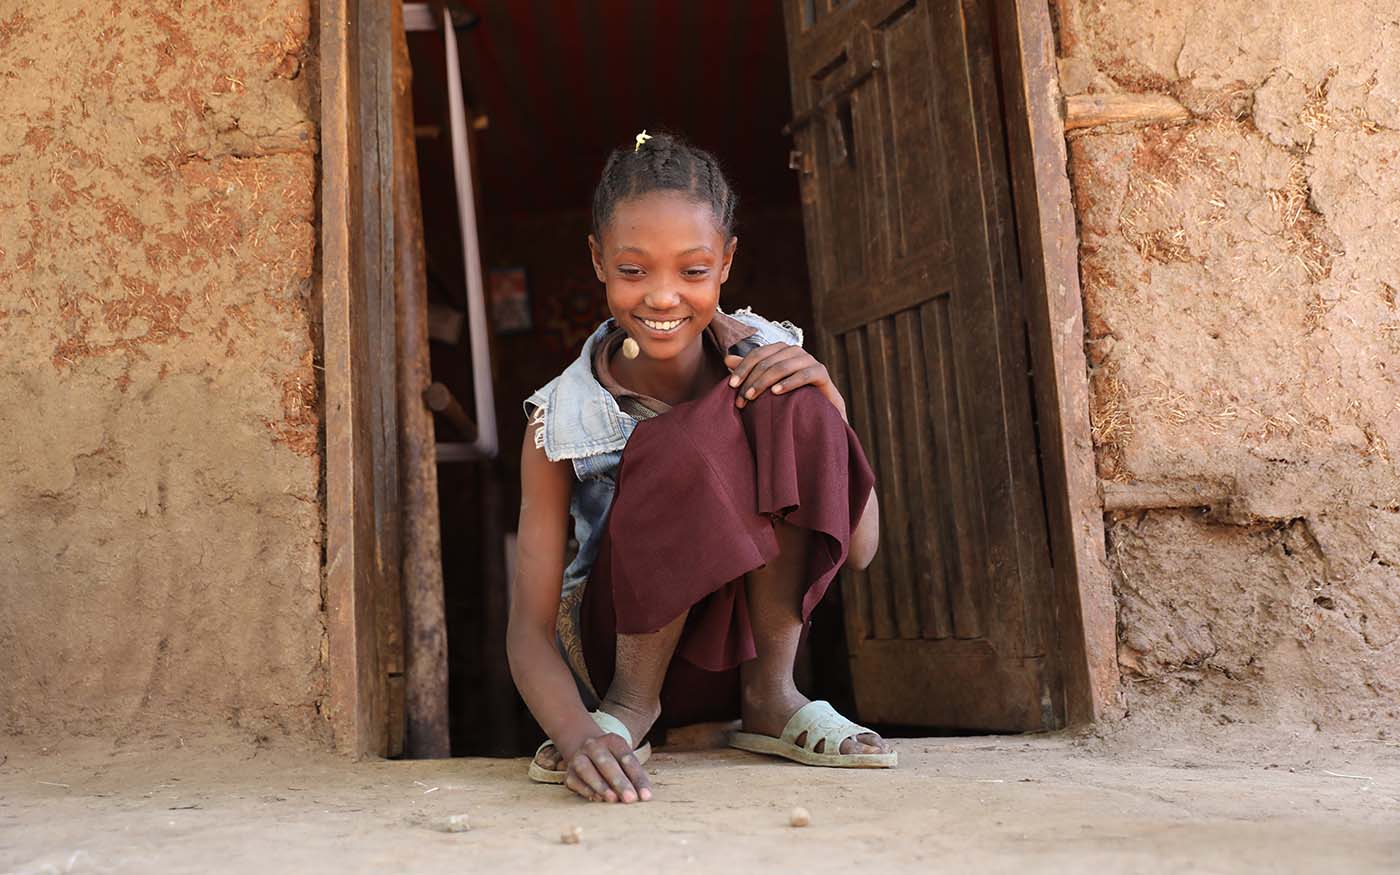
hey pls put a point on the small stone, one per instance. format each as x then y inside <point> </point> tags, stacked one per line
<point>572,836</point>
<point>456,823</point>
<point>799,817</point>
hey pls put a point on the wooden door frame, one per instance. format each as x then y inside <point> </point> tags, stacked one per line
<point>1085,616</point>
<point>355,261</point>
<point>383,594</point>
<point>358,586</point>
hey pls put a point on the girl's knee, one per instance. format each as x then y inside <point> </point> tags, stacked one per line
<point>805,404</point>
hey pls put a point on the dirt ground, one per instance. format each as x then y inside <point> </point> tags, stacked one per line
<point>1242,802</point>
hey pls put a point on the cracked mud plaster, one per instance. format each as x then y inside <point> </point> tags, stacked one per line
<point>1240,291</point>
<point>1294,623</point>
<point>160,526</point>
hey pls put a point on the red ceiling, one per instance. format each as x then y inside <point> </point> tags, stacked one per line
<point>563,81</point>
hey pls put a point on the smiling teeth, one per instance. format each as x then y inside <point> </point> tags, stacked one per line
<point>662,326</point>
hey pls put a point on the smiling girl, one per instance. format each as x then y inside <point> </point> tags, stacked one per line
<point>703,548</point>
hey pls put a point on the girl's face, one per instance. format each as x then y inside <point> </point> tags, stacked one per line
<point>663,259</point>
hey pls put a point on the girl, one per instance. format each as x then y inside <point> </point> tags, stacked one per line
<point>702,552</point>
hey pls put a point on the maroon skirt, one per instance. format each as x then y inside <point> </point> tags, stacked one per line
<point>699,490</point>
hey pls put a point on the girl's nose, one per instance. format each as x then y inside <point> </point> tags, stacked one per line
<point>662,299</point>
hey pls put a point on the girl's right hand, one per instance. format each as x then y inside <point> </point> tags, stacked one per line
<point>604,769</point>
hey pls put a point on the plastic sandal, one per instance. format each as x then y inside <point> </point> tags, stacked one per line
<point>607,723</point>
<point>821,722</point>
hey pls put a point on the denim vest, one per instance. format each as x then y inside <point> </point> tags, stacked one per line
<point>583,423</point>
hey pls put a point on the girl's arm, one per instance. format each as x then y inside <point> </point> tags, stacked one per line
<point>599,763</point>
<point>782,367</point>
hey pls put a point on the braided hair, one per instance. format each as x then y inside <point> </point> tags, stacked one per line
<point>663,162</point>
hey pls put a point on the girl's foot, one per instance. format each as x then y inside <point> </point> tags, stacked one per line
<point>637,719</point>
<point>768,713</point>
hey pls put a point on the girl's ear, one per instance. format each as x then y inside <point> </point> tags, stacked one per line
<point>595,250</point>
<point>728,262</point>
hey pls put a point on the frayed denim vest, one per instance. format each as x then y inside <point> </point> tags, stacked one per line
<point>583,423</point>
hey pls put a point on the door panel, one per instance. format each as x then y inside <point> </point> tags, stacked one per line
<point>837,151</point>
<point>902,44</point>
<point>916,293</point>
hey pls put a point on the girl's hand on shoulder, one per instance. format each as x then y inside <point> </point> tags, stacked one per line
<point>779,368</point>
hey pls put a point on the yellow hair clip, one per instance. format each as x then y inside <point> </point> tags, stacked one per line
<point>641,138</point>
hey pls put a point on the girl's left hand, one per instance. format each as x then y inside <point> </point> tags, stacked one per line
<point>780,368</point>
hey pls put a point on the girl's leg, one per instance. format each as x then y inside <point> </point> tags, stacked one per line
<point>642,660</point>
<point>775,593</point>
<point>635,694</point>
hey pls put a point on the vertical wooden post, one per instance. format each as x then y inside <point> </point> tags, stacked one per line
<point>355,571</point>
<point>425,625</point>
<point>374,28</point>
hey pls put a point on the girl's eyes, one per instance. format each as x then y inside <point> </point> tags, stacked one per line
<point>634,272</point>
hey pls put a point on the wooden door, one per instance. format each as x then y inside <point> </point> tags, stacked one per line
<point>917,298</point>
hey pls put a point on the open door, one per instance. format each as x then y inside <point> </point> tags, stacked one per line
<point>917,296</point>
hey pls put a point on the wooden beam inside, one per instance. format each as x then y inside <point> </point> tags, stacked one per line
<point>424,614</point>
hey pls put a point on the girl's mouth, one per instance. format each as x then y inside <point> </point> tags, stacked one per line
<point>662,328</point>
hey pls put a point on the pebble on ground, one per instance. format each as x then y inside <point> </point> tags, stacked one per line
<point>456,823</point>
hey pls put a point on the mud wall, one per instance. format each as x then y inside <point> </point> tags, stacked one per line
<point>160,522</point>
<point>1240,279</point>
